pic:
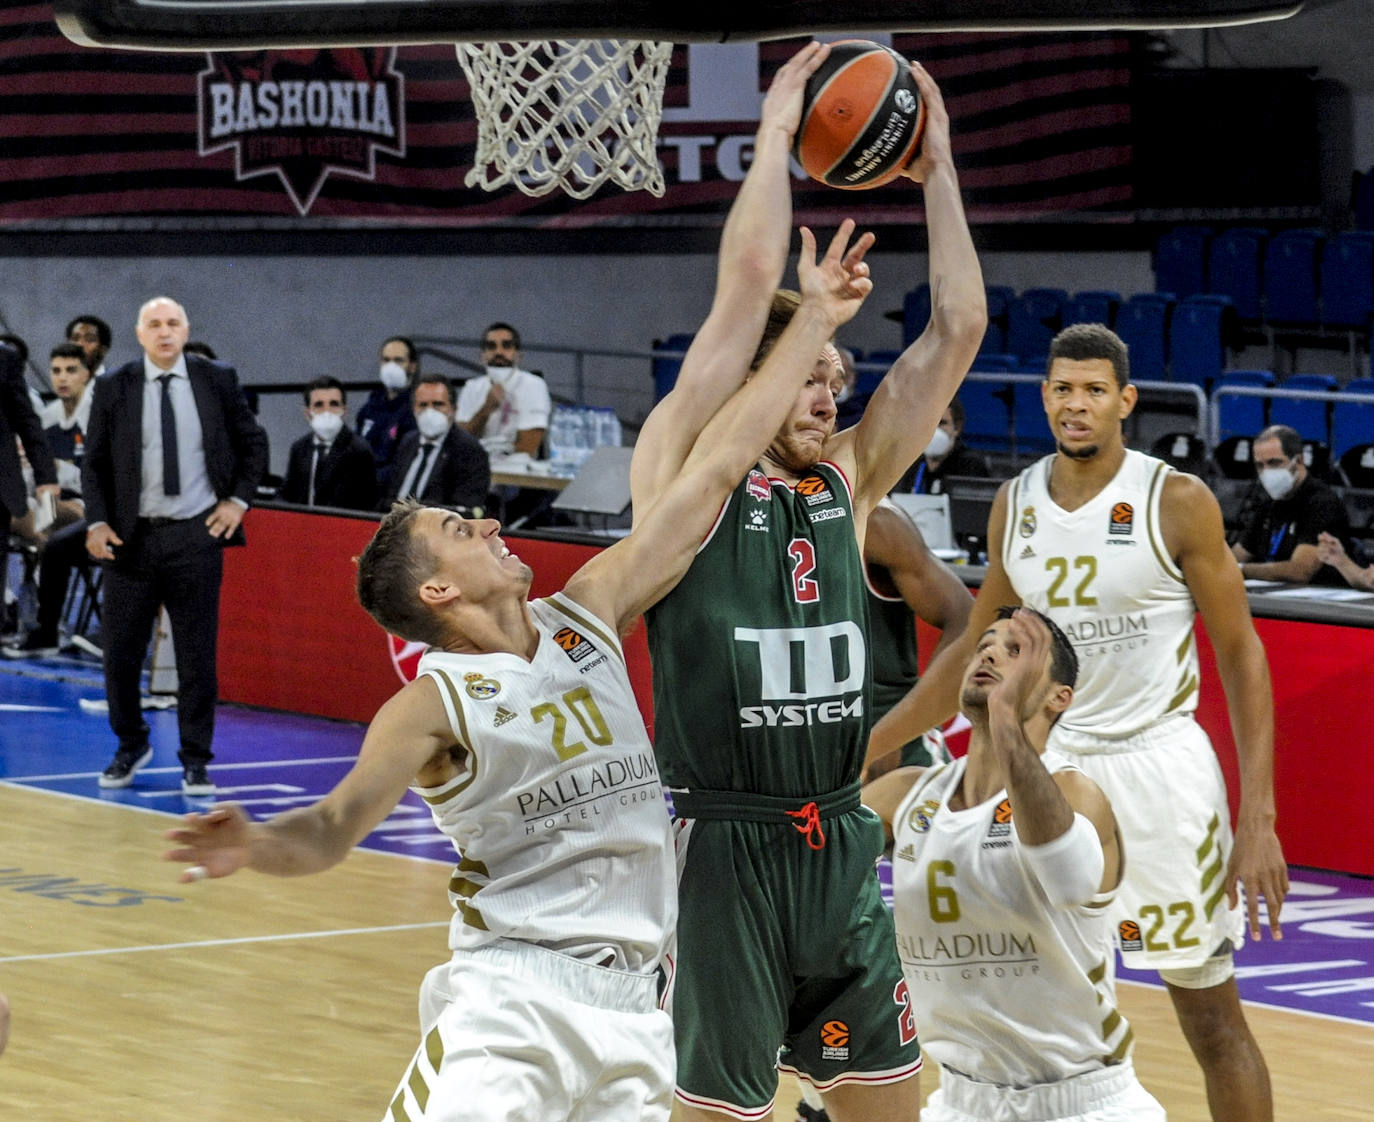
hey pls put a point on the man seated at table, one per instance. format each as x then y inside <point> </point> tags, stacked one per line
<point>439,463</point>
<point>506,408</point>
<point>331,465</point>
<point>1278,537</point>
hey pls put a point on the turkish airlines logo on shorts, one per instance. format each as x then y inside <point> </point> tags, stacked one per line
<point>1128,932</point>
<point>834,1040</point>
<point>303,115</point>
<point>1123,519</point>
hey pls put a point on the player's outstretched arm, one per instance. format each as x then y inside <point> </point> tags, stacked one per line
<point>1195,535</point>
<point>908,403</point>
<point>619,583</point>
<point>935,698</point>
<point>884,795</point>
<point>407,733</point>
<point>753,254</point>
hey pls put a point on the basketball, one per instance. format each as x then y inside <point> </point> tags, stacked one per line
<point>862,117</point>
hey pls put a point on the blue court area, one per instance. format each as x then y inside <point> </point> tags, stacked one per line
<point>54,734</point>
<point>270,761</point>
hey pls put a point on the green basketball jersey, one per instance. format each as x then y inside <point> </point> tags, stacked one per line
<point>892,643</point>
<point>760,657</point>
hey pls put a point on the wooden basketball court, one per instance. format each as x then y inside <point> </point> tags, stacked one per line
<point>136,999</point>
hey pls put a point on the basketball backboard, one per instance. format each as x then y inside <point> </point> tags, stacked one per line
<point>197,25</point>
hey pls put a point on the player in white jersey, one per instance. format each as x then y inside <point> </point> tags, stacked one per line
<point>1119,549</point>
<point>1004,862</point>
<point>522,733</point>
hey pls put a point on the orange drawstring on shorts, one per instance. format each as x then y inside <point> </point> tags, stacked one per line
<point>810,824</point>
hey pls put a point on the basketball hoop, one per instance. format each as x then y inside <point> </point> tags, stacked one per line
<point>570,113</point>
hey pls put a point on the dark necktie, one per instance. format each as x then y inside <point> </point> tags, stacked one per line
<point>425,452</point>
<point>171,469</point>
<point>314,469</point>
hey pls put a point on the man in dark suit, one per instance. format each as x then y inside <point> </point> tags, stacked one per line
<point>173,459</point>
<point>441,463</point>
<point>17,418</point>
<point>332,465</point>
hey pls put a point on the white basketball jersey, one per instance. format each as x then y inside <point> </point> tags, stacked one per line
<point>1007,989</point>
<point>1104,575</point>
<point>558,813</point>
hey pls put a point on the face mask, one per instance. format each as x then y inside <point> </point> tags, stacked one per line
<point>1277,481</point>
<point>940,444</point>
<point>326,425</point>
<point>432,424</point>
<point>500,375</point>
<point>394,376</point>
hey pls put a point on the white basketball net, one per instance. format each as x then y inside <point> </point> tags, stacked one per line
<point>567,113</point>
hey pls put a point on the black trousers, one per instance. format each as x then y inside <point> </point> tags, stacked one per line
<point>180,565</point>
<point>64,551</point>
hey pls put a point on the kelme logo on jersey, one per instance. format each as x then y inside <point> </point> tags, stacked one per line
<point>834,1040</point>
<point>480,688</point>
<point>757,487</point>
<point>1026,527</point>
<point>1128,932</point>
<point>1122,519</point>
<point>574,644</point>
<point>816,490</point>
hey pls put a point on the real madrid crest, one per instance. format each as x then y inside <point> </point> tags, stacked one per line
<point>480,688</point>
<point>1027,525</point>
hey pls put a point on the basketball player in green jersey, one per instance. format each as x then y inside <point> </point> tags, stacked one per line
<point>785,951</point>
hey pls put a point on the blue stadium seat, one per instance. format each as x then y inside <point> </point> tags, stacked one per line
<point>1143,324</point>
<point>1181,260</point>
<point>1310,418</point>
<point>1092,306</point>
<point>1233,269</point>
<point>1290,277</point>
<point>915,313</point>
<point>1351,422</point>
<point>1242,416</point>
<point>1033,319</point>
<point>999,298</point>
<point>1347,280</point>
<point>665,370</point>
<point>1029,426</point>
<point>868,380</point>
<point>1198,336</point>
<point>987,420</point>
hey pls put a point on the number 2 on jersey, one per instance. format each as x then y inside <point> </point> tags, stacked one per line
<point>583,707</point>
<point>805,587</point>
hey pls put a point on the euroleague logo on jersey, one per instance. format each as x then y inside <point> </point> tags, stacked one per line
<point>1129,934</point>
<point>573,644</point>
<point>816,490</point>
<point>1122,519</point>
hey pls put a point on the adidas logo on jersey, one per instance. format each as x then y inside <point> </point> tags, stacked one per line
<point>1025,553</point>
<point>907,853</point>
<point>503,715</point>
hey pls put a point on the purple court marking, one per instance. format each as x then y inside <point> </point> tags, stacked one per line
<point>271,761</point>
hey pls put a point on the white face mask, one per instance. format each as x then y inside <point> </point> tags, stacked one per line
<point>940,444</point>
<point>394,376</point>
<point>432,424</point>
<point>1279,482</point>
<point>500,375</point>
<point>326,425</point>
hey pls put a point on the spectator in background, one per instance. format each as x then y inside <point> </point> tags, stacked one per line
<point>386,416</point>
<point>18,419</point>
<point>849,403</point>
<point>332,465</point>
<point>21,348</point>
<point>1278,538</point>
<point>92,334</point>
<point>440,463</point>
<point>946,454</point>
<point>65,422</point>
<point>1331,552</point>
<point>173,460</point>
<point>506,408</point>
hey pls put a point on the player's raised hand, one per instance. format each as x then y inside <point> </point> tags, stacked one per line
<point>838,283</point>
<point>214,844</point>
<point>1023,667</point>
<point>782,106</point>
<point>935,147</point>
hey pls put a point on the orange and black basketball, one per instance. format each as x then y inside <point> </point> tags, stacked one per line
<point>862,117</point>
